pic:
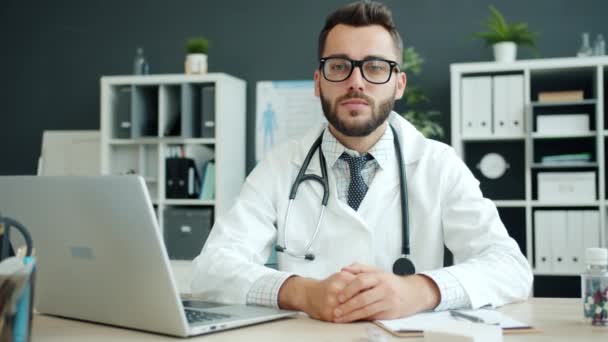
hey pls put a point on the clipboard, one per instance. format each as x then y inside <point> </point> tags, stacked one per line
<point>415,326</point>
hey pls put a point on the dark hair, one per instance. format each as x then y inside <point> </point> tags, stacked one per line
<point>362,13</point>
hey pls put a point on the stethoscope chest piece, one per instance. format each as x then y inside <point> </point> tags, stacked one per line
<point>403,266</point>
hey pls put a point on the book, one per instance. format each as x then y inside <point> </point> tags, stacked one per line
<point>561,96</point>
<point>208,190</point>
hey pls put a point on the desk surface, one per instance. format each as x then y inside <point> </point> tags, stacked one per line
<point>559,319</point>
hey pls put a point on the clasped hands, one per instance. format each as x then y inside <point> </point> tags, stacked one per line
<point>361,292</point>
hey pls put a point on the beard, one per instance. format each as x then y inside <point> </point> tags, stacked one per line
<point>378,116</point>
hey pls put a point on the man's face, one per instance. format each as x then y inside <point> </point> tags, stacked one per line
<point>356,107</point>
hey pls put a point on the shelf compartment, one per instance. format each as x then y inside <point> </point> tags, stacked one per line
<point>148,161</point>
<point>509,186</point>
<point>569,286</point>
<point>185,163</point>
<point>198,110</point>
<point>170,110</point>
<point>124,160</point>
<point>557,118</point>
<point>514,220</point>
<point>556,147</point>
<point>563,79</point>
<point>144,111</point>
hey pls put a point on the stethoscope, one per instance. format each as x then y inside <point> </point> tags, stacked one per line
<point>403,265</point>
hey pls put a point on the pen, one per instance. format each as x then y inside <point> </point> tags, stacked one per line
<point>468,317</point>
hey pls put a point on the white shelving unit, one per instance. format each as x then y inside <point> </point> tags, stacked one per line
<point>539,75</point>
<point>166,112</point>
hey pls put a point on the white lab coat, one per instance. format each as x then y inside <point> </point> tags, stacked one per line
<point>445,206</point>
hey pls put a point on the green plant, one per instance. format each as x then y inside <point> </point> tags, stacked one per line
<point>498,30</point>
<point>197,45</point>
<point>415,98</point>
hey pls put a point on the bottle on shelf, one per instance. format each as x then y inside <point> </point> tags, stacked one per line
<point>594,286</point>
<point>585,49</point>
<point>140,64</point>
<point>599,46</point>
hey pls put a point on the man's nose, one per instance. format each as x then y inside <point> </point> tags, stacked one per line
<point>356,80</point>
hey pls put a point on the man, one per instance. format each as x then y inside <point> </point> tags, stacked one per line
<point>341,271</point>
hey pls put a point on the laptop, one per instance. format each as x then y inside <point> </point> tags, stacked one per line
<point>101,257</point>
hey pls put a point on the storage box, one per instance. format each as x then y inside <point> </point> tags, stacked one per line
<point>186,230</point>
<point>563,123</point>
<point>566,187</point>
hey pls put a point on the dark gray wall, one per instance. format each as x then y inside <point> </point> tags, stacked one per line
<point>54,52</point>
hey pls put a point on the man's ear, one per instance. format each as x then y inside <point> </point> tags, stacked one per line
<point>317,80</point>
<point>401,83</point>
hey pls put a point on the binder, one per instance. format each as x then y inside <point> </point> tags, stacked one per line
<point>186,231</point>
<point>542,241</point>
<point>575,253</point>
<point>208,112</point>
<point>182,178</point>
<point>208,189</point>
<point>591,225</point>
<point>508,105</point>
<point>122,108</point>
<point>476,106</point>
<point>559,245</point>
<point>558,240</point>
<point>191,106</point>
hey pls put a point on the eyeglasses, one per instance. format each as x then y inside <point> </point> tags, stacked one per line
<point>374,70</point>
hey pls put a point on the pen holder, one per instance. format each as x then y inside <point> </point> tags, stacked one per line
<point>17,279</point>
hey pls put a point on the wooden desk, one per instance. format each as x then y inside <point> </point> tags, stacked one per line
<point>560,319</point>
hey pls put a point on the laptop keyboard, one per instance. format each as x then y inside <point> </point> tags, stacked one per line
<point>195,316</point>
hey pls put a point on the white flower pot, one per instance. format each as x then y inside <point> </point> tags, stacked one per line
<point>505,52</point>
<point>196,63</point>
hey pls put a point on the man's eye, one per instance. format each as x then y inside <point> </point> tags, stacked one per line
<point>339,67</point>
<point>375,67</point>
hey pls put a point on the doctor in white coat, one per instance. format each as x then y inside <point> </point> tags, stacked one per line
<point>348,272</point>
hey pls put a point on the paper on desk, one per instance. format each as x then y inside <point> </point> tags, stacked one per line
<point>428,320</point>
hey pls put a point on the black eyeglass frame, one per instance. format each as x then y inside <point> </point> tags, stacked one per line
<point>359,63</point>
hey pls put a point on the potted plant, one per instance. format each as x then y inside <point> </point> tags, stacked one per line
<point>424,120</point>
<point>505,37</point>
<point>196,58</point>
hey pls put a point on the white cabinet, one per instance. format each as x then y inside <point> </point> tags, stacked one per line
<point>146,119</point>
<point>548,125</point>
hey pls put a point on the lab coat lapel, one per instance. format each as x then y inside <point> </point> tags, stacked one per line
<point>386,181</point>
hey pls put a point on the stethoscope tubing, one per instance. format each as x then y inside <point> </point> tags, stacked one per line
<point>323,180</point>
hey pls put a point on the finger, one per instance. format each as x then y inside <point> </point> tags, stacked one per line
<point>359,301</point>
<point>357,268</point>
<point>361,283</point>
<point>365,312</point>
